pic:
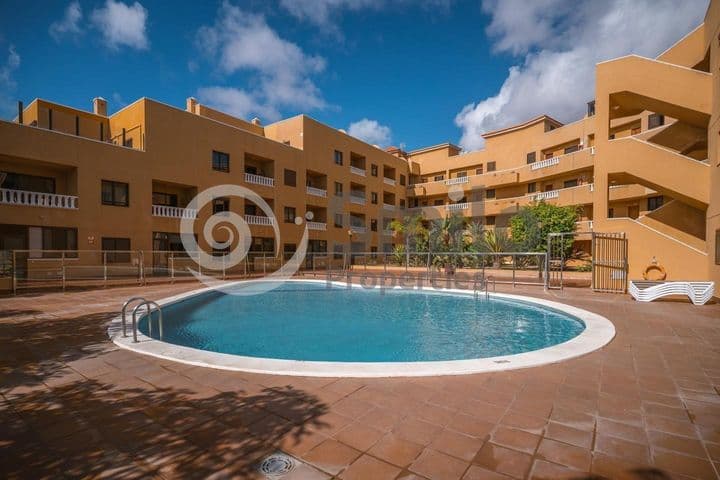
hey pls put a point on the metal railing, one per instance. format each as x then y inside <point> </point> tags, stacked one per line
<point>37,199</point>
<point>148,304</point>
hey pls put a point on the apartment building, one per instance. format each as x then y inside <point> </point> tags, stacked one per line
<point>643,161</point>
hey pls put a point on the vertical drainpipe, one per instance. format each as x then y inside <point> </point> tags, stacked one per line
<point>20,112</point>
<point>77,125</point>
<point>50,125</point>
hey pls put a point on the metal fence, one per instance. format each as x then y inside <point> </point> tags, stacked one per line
<point>61,269</point>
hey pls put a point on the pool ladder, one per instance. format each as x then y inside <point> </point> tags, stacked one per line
<point>483,284</point>
<point>148,304</point>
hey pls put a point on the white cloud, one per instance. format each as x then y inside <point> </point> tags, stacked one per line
<point>236,102</point>
<point>122,25</point>
<point>7,83</point>
<point>561,44</point>
<point>370,131</point>
<point>282,72</point>
<point>69,24</point>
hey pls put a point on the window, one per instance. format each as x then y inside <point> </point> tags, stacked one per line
<point>490,166</point>
<point>167,242</point>
<point>402,179</point>
<point>338,157</point>
<point>220,161</point>
<point>462,174</point>
<point>373,225</point>
<point>290,178</point>
<point>479,170</point>
<point>611,213</point>
<point>338,189</point>
<point>119,249</point>
<point>221,205</point>
<point>28,183</point>
<point>591,108</point>
<point>338,251</point>
<point>289,247</point>
<point>115,193</point>
<point>373,170</point>
<point>490,193</point>
<point>402,203</point>
<point>531,187</point>
<point>438,202</point>
<point>717,247</point>
<point>289,214</point>
<point>655,120</point>
<point>165,199</point>
<point>531,157</point>
<point>373,198</point>
<point>549,155</point>
<point>338,220</point>
<point>261,244</point>
<point>571,149</point>
<point>654,203</point>
<point>373,252</point>
<point>490,220</point>
<point>570,183</point>
<point>438,178</point>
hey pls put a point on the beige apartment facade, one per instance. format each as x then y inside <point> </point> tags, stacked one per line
<point>643,161</point>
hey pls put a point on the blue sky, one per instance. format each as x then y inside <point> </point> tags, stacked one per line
<point>410,72</point>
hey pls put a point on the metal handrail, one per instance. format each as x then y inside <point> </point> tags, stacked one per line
<point>147,304</point>
<point>124,308</point>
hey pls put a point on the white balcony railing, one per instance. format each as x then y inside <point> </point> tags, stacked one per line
<point>549,162</point>
<point>457,180</point>
<point>389,181</point>
<point>258,220</point>
<point>259,180</point>
<point>546,195</point>
<point>317,192</point>
<point>322,226</point>
<point>457,206</point>
<point>357,171</point>
<point>173,212</point>
<point>358,229</point>
<point>357,199</point>
<point>388,206</point>
<point>37,199</point>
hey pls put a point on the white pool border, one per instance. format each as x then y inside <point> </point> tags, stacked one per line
<point>599,331</point>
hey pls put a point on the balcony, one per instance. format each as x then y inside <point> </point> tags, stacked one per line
<point>259,220</point>
<point>358,171</point>
<point>357,197</point>
<point>316,192</point>
<point>37,199</point>
<point>389,181</point>
<point>454,207</point>
<point>457,180</point>
<point>358,229</point>
<point>388,206</point>
<point>173,212</point>
<point>546,195</point>
<point>259,180</point>
<point>321,226</point>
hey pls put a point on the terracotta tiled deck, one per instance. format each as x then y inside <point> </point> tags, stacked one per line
<point>646,406</point>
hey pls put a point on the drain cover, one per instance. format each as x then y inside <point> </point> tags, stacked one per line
<point>277,465</point>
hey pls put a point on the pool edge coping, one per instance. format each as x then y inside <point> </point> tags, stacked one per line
<point>598,332</point>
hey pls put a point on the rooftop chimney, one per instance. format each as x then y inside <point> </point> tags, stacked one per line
<point>191,104</point>
<point>256,121</point>
<point>100,106</point>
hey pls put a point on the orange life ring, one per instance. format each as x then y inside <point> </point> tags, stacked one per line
<point>655,267</point>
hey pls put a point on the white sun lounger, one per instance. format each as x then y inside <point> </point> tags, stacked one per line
<point>645,291</point>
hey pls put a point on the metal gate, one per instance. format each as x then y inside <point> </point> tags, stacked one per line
<point>609,262</point>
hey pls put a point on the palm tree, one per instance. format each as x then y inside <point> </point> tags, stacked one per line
<point>410,227</point>
<point>495,240</point>
<point>446,236</point>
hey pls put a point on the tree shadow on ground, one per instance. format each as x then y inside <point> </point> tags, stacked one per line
<point>90,428</point>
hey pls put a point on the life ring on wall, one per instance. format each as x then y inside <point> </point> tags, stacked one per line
<point>654,267</point>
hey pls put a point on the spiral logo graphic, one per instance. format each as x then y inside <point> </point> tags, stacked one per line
<point>238,233</point>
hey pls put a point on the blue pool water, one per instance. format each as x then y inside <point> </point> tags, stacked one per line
<point>311,321</point>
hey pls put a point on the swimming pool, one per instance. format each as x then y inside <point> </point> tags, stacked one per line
<point>325,328</point>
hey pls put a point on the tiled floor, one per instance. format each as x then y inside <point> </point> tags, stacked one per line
<point>646,406</point>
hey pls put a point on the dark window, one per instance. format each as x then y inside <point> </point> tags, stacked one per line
<point>119,249</point>
<point>338,220</point>
<point>531,187</point>
<point>439,178</point>
<point>438,202</point>
<point>373,198</point>
<point>490,220</point>
<point>490,166</point>
<point>402,203</point>
<point>165,199</point>
<point>655,120</point>
<point>58,238</point>
<point>490,193</point>
<point>462,174</point>
<point>261,244</point>
<point>28,183</point>
<point>402,179</point>
<point>338,189</point>
<point>115,193</point>
<point>338,251</point>
<point>373,225</point>
<point>570,183</point>
<point>531,157</point>
<point>338,157</point>
<point>220,161</point>
<point>479,170</point>
<point>251,209</point>
<point>221,205</point>
<point>571,148</point>
<point>289,214</point>
<point>290,178</point>
<point>654,203</point>
<point>164,241</point>
<point>591,108</point>
<point>289,247</point>
<point>717,247</point>
<point>373,170</point>
<point>611,213</point>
